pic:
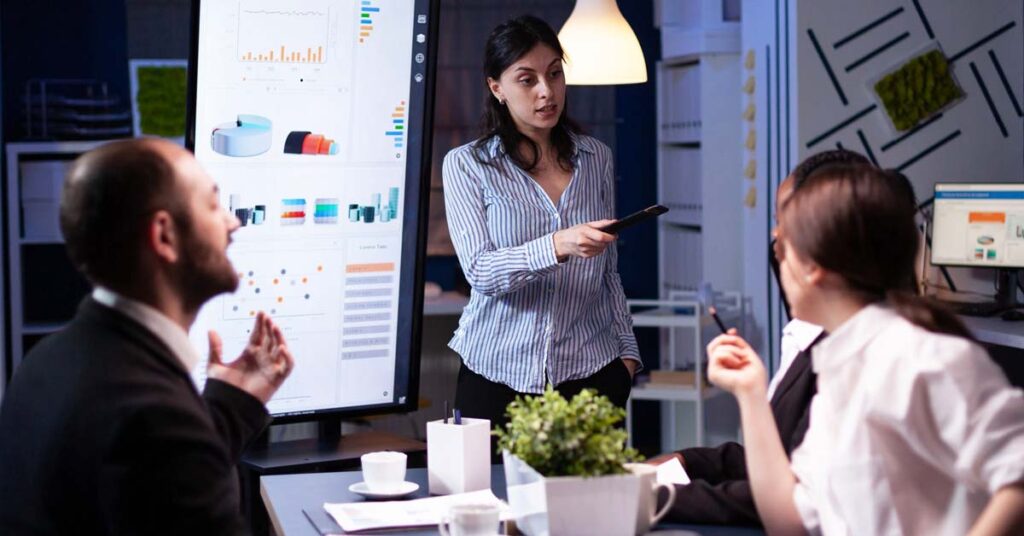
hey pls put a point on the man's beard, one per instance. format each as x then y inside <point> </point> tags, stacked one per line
<point>205,272</point>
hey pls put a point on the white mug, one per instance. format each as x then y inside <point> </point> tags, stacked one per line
<point>383,471</point>
<point>470,520</point>
<point>648,503</point>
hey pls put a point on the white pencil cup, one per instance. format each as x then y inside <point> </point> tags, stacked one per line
<point>458,456</point>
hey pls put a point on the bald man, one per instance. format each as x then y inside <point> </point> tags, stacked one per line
<point>102,430</point>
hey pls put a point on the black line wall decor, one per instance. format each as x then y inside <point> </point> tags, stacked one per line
<point>890,144</point>
<point>928,151</point>
<point>870,26</point>
<point>828,68</point>
<point>988,99</point>
<point>924,20</point>
<point>889,44</point>
<point>1006,83</point>
<point>817,139</point>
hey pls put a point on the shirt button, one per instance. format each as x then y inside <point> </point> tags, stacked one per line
<point>551,289</point>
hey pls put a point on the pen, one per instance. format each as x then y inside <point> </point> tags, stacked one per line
<point>446,412</point>
<point>714,314</point>
<point>458,416</point>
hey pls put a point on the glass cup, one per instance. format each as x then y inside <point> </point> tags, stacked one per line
<point>470,520</point>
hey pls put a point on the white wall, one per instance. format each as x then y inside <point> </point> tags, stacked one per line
<point>965,144</point>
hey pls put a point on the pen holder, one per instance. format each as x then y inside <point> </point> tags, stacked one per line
<point>459,456</point>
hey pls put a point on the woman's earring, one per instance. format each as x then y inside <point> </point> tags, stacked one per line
<point>501,101</point>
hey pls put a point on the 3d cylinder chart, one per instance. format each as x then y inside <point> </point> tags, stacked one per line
<point>249,135</point>
<point>305,142</point>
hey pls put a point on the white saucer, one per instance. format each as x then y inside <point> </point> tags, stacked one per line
<point>401,490</point>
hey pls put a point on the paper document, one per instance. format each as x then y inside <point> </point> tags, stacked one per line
<point>672,472</point>
<point>360,516</point>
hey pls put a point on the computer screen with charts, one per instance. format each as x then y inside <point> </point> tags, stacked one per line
<point>977,224</point>
<point>313,116</point>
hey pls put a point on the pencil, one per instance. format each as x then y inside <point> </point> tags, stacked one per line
<point>714,314</point>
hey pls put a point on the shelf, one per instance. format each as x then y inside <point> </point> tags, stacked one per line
<point>447,304</point>
<point>673,393</point>
<point>41,241</point>
<point>42,328</point>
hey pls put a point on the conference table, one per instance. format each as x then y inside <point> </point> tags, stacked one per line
<point>292,500</point>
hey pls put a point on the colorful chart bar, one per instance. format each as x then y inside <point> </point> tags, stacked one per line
<point>283,55</point>
<point>397,132</point>
<point>366,8</point>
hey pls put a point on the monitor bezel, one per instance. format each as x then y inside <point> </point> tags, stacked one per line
<point>931,225</point>
<point>410,285</point>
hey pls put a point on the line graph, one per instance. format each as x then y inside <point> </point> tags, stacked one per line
<point>269,35</point>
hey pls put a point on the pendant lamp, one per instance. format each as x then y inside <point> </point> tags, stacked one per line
<point>600,47</point>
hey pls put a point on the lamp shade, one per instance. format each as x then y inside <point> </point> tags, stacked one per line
<point>600,47</point>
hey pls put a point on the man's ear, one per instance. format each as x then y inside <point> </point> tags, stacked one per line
<point>162,236</point>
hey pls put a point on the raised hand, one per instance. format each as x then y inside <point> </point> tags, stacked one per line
<point>734,366</point>
<point>262,366</point>
<point>584,240</point>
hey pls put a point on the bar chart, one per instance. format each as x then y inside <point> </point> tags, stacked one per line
<point>367,12</point>
<point>397,130</point>
<point>268,33</point>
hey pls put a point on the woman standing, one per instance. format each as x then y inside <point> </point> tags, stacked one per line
<point>525,205</point>
<point>914,430</point>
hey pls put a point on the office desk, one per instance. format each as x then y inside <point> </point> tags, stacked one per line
<point>285,496</point>
<point>1004,341</point>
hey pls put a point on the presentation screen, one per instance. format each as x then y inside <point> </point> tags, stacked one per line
<point>978,225</point>
<point>313,117</point>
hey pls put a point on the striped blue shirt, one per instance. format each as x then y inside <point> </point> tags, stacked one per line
<point>532,321</point>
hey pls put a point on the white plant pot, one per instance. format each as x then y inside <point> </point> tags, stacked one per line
<point>566,506</point>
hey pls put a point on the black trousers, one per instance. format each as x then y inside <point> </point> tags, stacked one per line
<point>480,398</point>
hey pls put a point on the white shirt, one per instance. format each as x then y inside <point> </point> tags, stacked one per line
<point>797,336</point>
<point>162,327</point>
<point>911,432</point>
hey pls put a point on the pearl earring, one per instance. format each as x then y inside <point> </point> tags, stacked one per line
<point>501,101</point>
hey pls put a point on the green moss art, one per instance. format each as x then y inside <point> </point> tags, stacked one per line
<point>918,89</point>
<point>161,100</point>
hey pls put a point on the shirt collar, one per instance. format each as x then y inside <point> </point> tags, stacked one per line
<point>494,147</point>
<point>851,337</point>
<point>162,327</point>
<point>802,333</point>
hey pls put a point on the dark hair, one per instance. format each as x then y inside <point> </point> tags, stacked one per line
<point>854,220</point>
<point>800,172</point>
<point>818,160</point>
<point>507,43</point>
<point>108,195</point>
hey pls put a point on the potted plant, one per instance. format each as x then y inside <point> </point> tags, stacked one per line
<point>566,468</point>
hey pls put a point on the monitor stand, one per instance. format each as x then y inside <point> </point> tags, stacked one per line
<point>330,451</point>
<point>1004,301</point>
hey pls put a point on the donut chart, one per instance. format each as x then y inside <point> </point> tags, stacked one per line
<point>249,135</point>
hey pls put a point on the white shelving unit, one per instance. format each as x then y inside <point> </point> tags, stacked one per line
<point>699,172</point>
<point>686,328</point>
<point>35,172</point>
<point>700,148</point>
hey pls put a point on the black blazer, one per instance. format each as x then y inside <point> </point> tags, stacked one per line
<point>720,491</point>
<point>103,432</point>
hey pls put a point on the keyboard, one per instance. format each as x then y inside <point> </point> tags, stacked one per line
<point>974,308</point>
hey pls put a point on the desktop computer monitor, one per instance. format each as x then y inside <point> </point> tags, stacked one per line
<point>314,118</point>
<point>981,225</point>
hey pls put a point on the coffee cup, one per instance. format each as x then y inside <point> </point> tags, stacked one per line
<point>383,471</point>
<point>648,515</point>
<point>470,520</point>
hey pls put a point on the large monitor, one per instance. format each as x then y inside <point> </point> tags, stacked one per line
<point>980,225</point>
<point>314,118</point>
